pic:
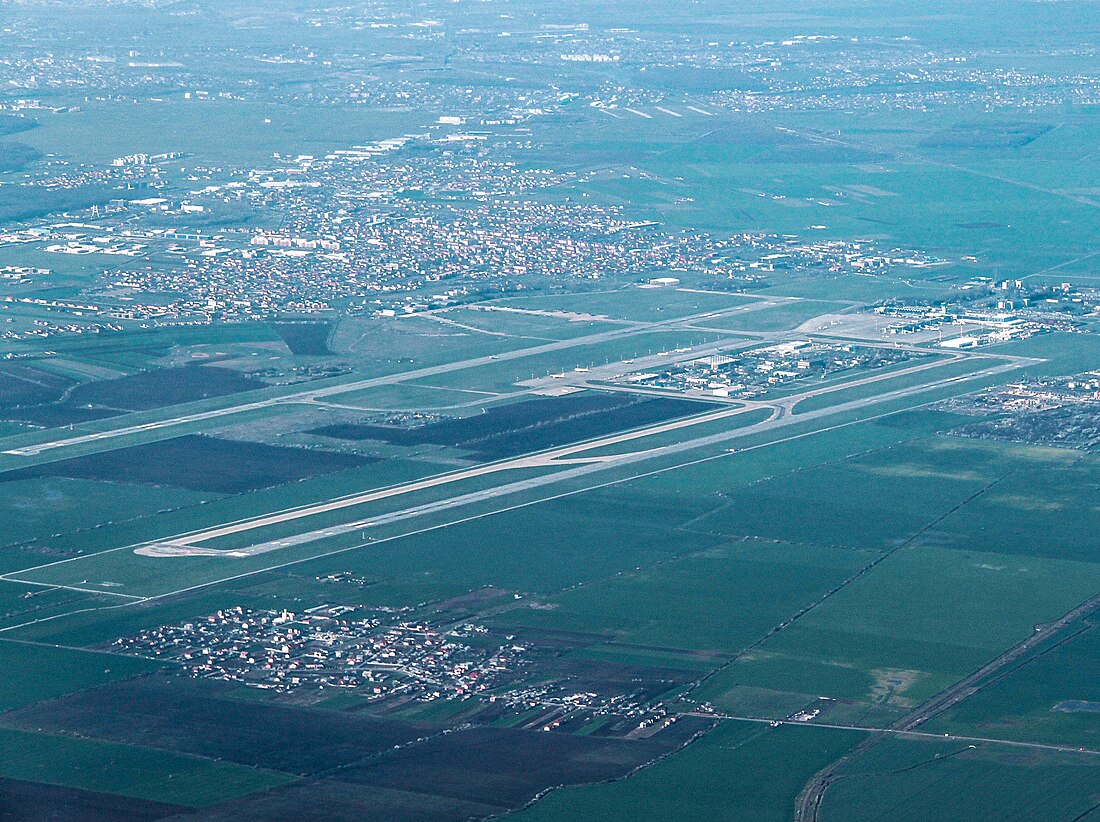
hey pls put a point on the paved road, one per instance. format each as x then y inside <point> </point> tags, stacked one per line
<point>1038,746</point>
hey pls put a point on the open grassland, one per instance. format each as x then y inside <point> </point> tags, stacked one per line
<point>539,548</point>
<point>392,346</point>
<point>219,132</point>
<point>762,675</point>
<point>1064,353</point>
<point>783,317</point>
<point>537,561</point>
<point>504,318</point>
<point>143,391</point>
<point>528,425</point>
<point>20,604</point>
<point>1045,506</point>
<point>63,524</point>
<point>111,620</point>
<point>412,397</point>
<point>885,495</point>
<point>763,458</point>
<point>878,173</point>
<point>35,509</point>
<point>197,463</point>
<point>627,446</point>
<point>933,612</point>
<point>632,303</point>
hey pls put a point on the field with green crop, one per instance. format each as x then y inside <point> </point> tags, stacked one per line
<point>957,781</point>
<point>1050,696</point>
<point>128,771</point>
<point>212,130</point>
<point>30,673</point>
<point>935,614</point>
<point>722,599</point>
<point>740,770</point>
<point>37,509</point>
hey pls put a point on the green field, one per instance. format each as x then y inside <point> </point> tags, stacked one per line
<point>128,771</point>
<point>740,770</point>
<point>411,397</point>
<point>527,549</point>
<point>759,673</point>
<point>36,509</point>
<point>778,318</point>
<point>1051,696</point>
<point>887,494</point>
<point>640,304</point>
<point>212,130</point>
<point>744,590</point>
<point>525,323</point>
<point>933,613</point>
<point>958,782</point>
<point>704,429</point>
<point>30,673</point>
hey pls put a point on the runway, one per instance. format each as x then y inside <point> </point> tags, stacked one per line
<point>571,458</point>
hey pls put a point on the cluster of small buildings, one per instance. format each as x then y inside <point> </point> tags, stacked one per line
<point>550,705</point>
<point>389,658</point>
<point>1058,411</point>
<point>143,159</point>
<point>751,373</point>
<point>1035,395</point>
<point>329,646</point>
<point>22,274</point>
<point>760,254</point>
